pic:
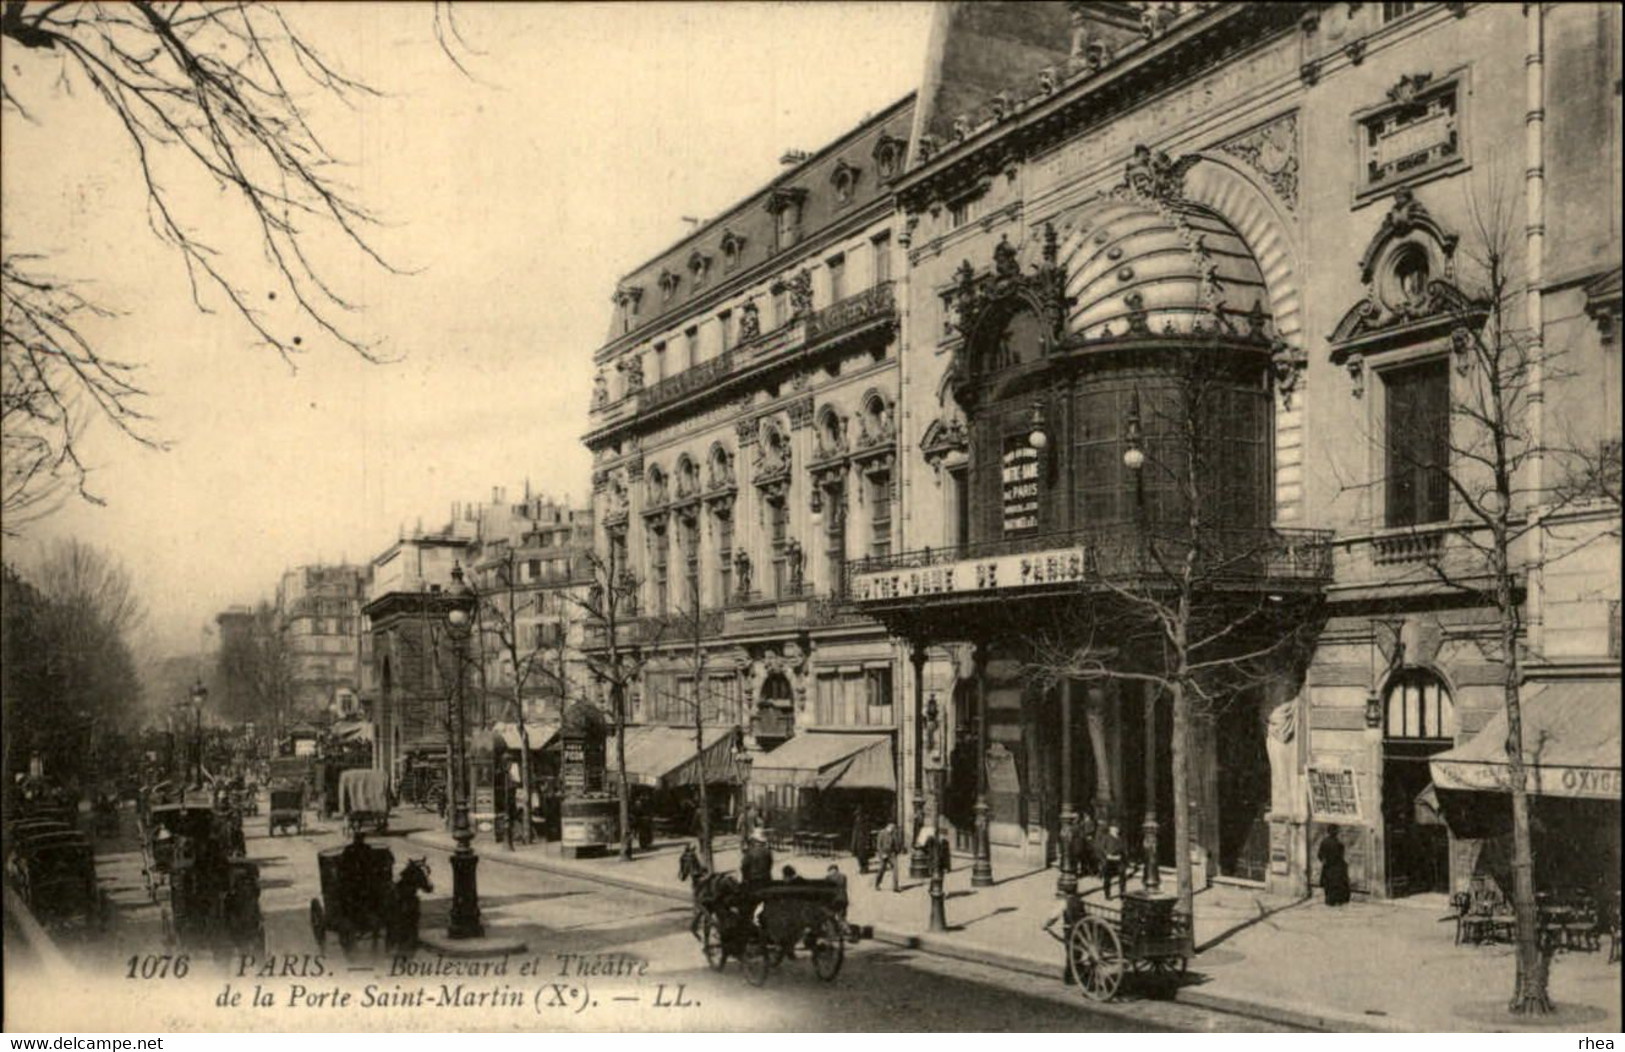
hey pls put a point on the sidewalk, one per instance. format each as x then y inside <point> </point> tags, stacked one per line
<point>1373,966</point>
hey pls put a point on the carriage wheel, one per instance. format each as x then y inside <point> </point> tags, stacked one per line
<point>829,947</point>
<point>755,961</point>
<point>716,953</point>
<point>318,923</point>
<point>1096,958</point>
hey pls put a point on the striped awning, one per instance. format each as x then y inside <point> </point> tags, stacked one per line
<point>664,757</point>
<point>1570,746</point>
<point>824,760</point>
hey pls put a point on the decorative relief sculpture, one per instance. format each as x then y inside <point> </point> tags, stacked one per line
<point>633,368</point>
<point>801,294</point>
<point>1272,151</point>
<point>600,390</point>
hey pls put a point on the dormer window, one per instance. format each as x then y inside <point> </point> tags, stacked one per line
<point>668,285</point>
<point>785,203</point>
<point>699,265</point>
<point>733,249</point>
<point>845,181</point>
<point>888,155</point>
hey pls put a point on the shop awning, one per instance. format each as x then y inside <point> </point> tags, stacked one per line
<point>541,734</point>
<point>1570,746</point>
<point>664,756</point>
<point>823,760</point>
<point>352,730</point>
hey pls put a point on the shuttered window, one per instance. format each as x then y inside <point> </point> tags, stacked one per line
<point>1418,438</point>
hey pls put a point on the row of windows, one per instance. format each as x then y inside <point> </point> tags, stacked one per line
<point>786,573</point>
<point>854,698</point>
<point>703,340</point>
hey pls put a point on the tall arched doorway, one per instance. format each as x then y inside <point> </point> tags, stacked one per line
<point>1419,721</point>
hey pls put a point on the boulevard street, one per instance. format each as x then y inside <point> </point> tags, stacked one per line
<point>610,931</point>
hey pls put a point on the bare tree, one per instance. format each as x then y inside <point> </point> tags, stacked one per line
<point>1510,476</point>
<point>212,92</point>
<point>689,627</point>
<point>537,663</point>
<point>609,612</point>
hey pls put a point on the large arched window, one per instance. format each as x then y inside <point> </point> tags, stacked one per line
<point>1419,706</point>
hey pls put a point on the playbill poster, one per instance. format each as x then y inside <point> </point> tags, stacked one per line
<point>856,516</point>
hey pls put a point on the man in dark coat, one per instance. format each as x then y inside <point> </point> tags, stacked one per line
<point>888,844</point>
<point>756,865</point>
<point>1111,861</point>
<point>863,847</point>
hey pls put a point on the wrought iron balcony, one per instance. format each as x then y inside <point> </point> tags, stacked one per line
<point>1230,557</point>
<point>878,303</point>
<point>695,378</point>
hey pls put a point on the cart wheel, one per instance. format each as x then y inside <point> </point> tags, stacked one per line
<point>829,947</point>
<point>716,953</point>
<point>755,961</point>
<point>1096,958</point>
<point>318,923</point>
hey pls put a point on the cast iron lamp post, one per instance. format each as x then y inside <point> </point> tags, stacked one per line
<point>199,695</point>
<point>1134,460</point>
<point>919,865</point>
<point>939,916</point>
<point>465,895</point>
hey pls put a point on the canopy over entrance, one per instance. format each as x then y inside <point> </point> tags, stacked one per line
<point>665,757</point>
<point>1570,746</point>
<point>814,760</point>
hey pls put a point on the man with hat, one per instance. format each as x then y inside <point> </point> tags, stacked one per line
<point>756,865</point>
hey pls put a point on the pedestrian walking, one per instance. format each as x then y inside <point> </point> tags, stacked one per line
<point>863,845</point>
<point>1065,918</point>
<point>888,844</point>
<point>1111,859</point>
<point>1334,868</point>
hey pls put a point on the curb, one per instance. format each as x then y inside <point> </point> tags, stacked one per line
<point>1266,1011</point>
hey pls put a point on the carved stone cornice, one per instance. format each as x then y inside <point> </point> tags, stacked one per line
<point>942,439</point>
<point>1406,215</point>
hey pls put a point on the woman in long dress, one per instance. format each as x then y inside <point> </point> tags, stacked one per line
<point>1334,869</point>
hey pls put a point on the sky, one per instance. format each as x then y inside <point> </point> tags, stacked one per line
<point>515,196</point>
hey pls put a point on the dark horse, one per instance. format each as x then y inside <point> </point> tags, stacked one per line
<point>710,890</point>
<point>403,916</point>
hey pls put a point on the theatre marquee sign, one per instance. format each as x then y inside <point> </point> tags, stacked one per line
<point>1061,566</point>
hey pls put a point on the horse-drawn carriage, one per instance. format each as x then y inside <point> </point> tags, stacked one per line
<point>207,892</point>
<point>1148,935</point>
<point>53,868</point>
<point>361,899</point>
<point>762,925</point>
<point>364,799</point>
<point>287,808</point>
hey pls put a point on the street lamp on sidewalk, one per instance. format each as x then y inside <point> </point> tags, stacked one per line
<point>933,724</point>
<point>1134,460</point>
<point>199,695</point>
<point>465,895</point>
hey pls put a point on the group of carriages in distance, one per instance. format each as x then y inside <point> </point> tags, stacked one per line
<point>52,865</point>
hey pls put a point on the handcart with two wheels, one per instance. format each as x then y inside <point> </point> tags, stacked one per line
<point>1148,935</point>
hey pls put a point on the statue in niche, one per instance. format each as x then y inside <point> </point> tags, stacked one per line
<point>750,323</point>
<point>742,573</point>
<point>801,294</point>
<point>797,560</point>
<point>600,390</point>
<point>633,367</point>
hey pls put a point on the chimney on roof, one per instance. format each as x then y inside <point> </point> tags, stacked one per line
<point>792,157</point>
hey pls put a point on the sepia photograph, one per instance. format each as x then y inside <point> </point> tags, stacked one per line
<point>787,517</point>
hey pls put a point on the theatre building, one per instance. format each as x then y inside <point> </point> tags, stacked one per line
<point>1192,293</point>
<point>743,434</point>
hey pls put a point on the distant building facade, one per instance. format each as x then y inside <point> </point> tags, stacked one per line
<point>319,613</point>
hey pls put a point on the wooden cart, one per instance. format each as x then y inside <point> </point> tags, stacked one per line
<point>1148,934</point>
